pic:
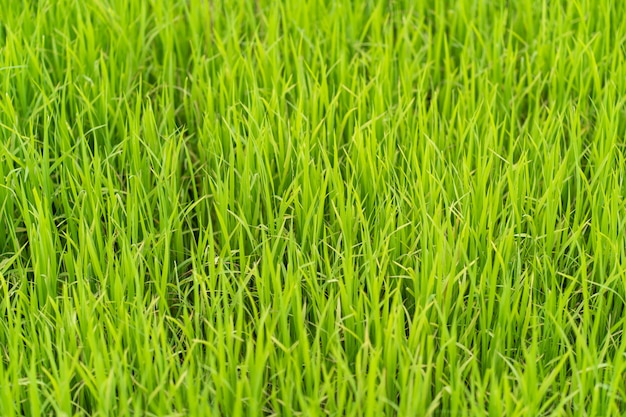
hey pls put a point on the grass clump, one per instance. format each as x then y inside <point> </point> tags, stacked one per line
<point>374,207</point>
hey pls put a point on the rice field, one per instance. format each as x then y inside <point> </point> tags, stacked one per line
<point>312,208</point>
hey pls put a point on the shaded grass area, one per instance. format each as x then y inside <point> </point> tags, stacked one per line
<point>312,208</point>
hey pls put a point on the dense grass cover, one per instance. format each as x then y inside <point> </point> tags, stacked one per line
<point>346,208</point>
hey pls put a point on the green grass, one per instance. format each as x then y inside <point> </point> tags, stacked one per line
<point>343,208</point>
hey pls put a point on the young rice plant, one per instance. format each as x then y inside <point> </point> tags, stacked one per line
<point>312,208</point>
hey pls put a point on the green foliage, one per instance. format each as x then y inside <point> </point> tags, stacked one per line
<point>347,208</point>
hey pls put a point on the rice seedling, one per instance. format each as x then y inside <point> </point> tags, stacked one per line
<point>346,208</point>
